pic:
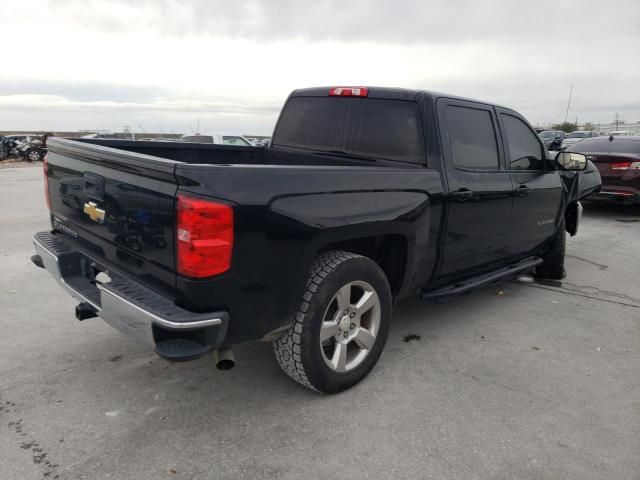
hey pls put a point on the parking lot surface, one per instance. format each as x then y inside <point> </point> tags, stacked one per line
<point>523,381</point>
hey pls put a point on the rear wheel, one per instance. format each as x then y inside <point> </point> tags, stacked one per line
<point>341,326</point>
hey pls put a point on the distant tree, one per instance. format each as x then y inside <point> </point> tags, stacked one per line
<point>589,126</point>
<point>566,127</point>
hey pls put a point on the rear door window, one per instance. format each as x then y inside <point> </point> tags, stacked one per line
<point>472,138</point>
<point>366,127</point>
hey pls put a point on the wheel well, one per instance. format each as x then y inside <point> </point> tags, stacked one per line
<point>388,251</point>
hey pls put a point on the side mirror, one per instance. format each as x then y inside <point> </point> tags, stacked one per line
<point>571,161</point>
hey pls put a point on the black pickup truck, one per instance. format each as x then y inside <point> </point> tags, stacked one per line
<point>363,197</point>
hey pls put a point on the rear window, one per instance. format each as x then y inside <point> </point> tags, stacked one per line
<point>604,145</point>
<point>197,139</point>
<point>579,135</point>
<point>374,128</point>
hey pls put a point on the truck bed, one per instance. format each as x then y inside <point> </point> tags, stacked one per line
<point>205,154</point>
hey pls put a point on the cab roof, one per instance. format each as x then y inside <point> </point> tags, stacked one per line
<point>389,93</point>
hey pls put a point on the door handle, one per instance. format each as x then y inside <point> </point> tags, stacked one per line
<point>463,195</point>
<point>522,191</point>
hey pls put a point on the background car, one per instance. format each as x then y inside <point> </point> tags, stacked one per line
<point>576,136</point>
<point>620,133</point>
<point>552,139</point>
<point>618,161</point>
<point>31,147</point>
<point>216,138</point>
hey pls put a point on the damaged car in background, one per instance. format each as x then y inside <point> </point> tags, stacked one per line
<point>29,147</point>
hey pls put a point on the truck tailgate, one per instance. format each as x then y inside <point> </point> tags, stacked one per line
<point>117,206</point>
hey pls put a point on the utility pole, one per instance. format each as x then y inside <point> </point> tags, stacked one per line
<point>617,120</point>
<point>568,103</point>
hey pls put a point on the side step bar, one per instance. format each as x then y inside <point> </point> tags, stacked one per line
<point>474,282</point>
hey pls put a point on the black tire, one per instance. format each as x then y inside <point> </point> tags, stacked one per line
<point>33,155</point>
<point>552,266</point>
<point>299,351</point>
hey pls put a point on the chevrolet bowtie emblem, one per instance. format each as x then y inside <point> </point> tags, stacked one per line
<point>96,214</point>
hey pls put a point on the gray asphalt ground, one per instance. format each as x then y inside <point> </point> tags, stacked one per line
<point>540,382</point>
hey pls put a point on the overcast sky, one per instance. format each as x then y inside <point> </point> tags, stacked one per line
<point>165,64</point>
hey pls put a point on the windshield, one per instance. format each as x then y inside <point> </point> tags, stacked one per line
<point>548,134</point>
<point>579,135</point>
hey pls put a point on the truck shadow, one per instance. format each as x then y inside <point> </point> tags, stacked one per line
<point>608,211</point>
<point>416,324</point>
<point>118,382</point>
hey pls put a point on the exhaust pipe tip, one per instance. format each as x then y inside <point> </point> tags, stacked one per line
<point>224,358</point>
<point>85,311</point>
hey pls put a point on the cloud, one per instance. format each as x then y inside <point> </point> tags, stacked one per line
<point>180,115</point>
<point>57,102</point>
<point>116,61</point>
<point>83,91</point>
<point>382,21</point>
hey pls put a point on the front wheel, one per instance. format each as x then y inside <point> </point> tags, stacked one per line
<point>552,266</point>
<point>34,155</point>
<point>341,326</point>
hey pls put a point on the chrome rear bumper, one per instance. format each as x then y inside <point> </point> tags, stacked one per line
<point>125,304</point>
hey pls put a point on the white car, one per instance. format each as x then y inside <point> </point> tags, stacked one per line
<point>621,133</point>
<point>216,138</point>
<point>575,137</point>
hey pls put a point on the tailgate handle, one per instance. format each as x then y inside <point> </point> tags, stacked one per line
<point>94,186</point>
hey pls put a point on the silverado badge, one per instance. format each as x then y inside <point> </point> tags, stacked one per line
<point>96,214</point>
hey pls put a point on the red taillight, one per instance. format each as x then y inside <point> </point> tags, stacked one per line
<point>348,92</point>
<point>619,193</point>
<point>204,235</point>
<point>620,165</point>
<point>45,169</point>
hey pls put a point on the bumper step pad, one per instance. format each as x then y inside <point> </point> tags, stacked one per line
<point>180,349</point>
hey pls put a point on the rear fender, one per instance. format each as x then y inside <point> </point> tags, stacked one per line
<point>328,218</point>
